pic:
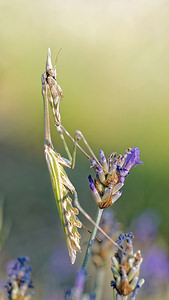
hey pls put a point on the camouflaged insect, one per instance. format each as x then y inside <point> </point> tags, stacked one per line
<point>61,184</point>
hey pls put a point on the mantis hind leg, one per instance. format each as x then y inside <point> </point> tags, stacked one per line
<point>77,204</point>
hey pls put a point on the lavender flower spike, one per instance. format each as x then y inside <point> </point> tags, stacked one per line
<point>19,280</point>
<point>126,268</point>
<point>110,175</point>
<point>132,158</point>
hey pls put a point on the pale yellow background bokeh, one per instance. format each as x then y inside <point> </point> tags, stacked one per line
<point>114,72</point>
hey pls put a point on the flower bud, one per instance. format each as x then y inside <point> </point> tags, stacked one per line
<point>103,162</point>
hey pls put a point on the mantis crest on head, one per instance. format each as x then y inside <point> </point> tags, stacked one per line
<point>62,187</point>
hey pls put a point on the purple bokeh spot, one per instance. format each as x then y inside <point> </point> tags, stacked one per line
<point>156,264</point>
<point>60,262</point>
<point>146,226</point>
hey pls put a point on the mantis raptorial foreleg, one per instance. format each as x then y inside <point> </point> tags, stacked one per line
<point>78,135</point>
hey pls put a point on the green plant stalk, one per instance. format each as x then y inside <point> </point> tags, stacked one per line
<point>114,294</point>
<point>100,275</point>
<point>92,238</point>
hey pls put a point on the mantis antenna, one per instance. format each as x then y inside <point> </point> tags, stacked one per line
<point>57,57</point>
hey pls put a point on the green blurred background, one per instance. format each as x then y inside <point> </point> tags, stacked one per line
<point>114,71</point>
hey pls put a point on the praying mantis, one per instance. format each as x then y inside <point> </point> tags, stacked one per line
<point>62,186</point>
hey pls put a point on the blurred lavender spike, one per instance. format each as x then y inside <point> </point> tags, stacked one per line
<point>126,269</point>
<point>102,249</point>
<point>19,280</point>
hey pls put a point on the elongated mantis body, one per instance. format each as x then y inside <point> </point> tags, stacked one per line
<point>52,93</point>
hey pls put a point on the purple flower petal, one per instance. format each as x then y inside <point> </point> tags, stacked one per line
<point>90,179</point>
<point>133,158</point>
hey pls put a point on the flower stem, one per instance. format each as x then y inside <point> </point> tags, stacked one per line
<point>99,283</point>
<point>114,294</point>
<point>92,238</point>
